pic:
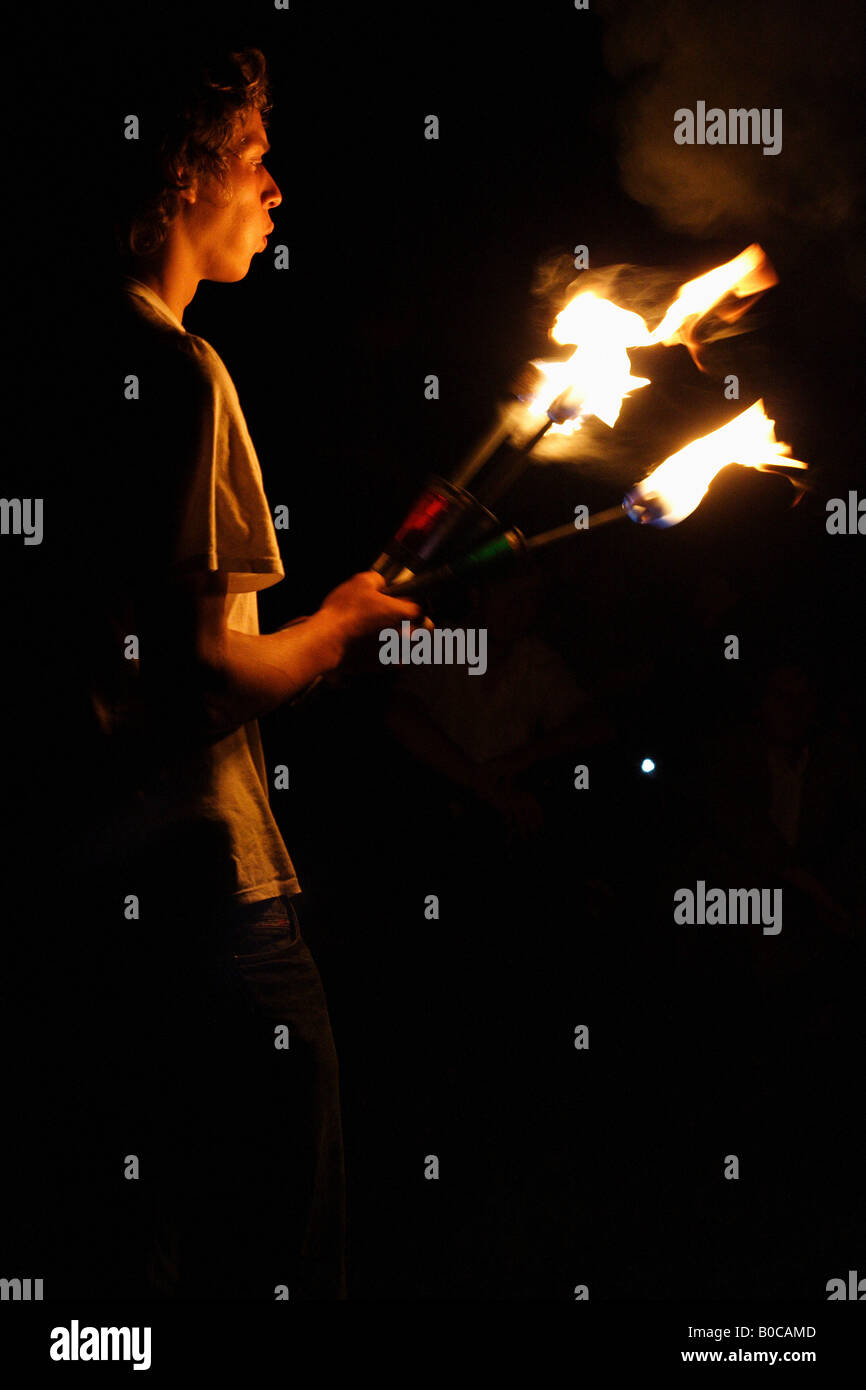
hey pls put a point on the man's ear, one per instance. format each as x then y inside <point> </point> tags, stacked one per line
<point>182,174</point>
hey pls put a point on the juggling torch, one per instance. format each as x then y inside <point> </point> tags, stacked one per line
<point>445,519</point>
<point>591,377</point>
<point>668,494</point>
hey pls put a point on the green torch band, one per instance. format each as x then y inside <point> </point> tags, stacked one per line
<point>509,543</point>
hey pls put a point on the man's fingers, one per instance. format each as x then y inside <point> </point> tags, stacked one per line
<point>416,616</point>
<point>403,609</point>
<point>408,609</point>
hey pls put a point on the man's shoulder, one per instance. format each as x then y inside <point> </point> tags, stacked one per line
<point>138,331</point>
<point>203,360</point>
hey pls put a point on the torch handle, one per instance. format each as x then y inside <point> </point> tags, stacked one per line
<point>501,547</point>
<point>562,533</point>
<point>518,465</point>
<point>506,545</point>
<point>481,453</point>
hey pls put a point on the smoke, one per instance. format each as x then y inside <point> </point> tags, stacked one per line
<point>644,290</point>
<point>674,53</point>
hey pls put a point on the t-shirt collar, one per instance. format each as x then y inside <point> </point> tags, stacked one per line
<point>153,299</point>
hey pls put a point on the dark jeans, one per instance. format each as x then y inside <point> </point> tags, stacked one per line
<point>244,1130</point>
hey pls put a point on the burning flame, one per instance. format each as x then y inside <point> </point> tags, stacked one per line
<point>746,275</point>
<point>597,377</point>
<point>674,489</point>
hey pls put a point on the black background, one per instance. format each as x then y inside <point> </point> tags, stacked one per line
<point>410,257</point>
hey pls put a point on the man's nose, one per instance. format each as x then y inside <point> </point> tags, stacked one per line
<point>273,197</point>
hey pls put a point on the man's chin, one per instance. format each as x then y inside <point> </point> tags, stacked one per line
<point>230,277</point>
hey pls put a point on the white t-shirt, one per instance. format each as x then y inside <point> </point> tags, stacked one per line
<point>202,507</point>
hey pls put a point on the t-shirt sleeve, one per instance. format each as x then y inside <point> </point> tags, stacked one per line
<point>220,518</point>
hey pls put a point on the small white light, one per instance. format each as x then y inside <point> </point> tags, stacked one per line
<point>647,765</point>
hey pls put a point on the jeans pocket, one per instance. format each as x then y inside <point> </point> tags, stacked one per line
<point>257,941</point>
<point>267,943</point>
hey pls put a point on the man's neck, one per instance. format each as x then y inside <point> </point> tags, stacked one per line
<point>174,282</point>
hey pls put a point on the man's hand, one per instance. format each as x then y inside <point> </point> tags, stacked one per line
<point>359,609</point>
<point>235,676</point>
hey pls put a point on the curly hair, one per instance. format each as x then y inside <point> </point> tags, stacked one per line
<point>189,113</point>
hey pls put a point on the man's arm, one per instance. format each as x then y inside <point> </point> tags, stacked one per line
<point>230,677</point>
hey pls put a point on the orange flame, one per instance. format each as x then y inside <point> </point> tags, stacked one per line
<point>597,377</point>
<point>748,274</point>
<point>598,373</point>
<point>674,489</point>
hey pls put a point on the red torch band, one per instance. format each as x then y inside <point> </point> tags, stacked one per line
<point>443,518</point>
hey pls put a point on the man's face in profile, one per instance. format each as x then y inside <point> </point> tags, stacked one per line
<point>226,227</point>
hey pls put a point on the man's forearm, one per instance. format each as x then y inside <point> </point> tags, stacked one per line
<point>254,674</point>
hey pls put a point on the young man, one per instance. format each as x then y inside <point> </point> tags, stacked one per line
<point>242,1150</point>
